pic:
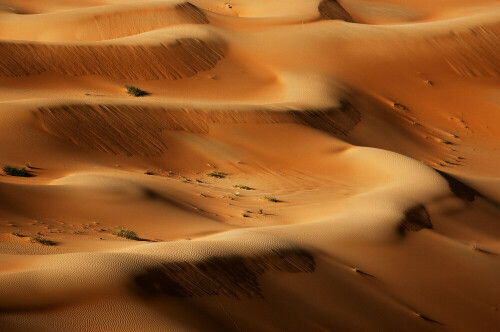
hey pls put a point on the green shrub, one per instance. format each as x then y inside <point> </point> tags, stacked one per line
<point>14,171</point>
<point>135,91</point>
<point>217,174</point>
<point>240,186</point>
<point>272,199</point>
<point>38,238</point>
<point>125,233</point>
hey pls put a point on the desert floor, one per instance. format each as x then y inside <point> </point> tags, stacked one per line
<point>296,165</point>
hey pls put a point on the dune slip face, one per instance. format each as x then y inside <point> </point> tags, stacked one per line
<point>182,58</point>
<point>249,165</point>
<point>141,133</point>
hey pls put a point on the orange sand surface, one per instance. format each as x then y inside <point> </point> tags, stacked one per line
<point>298,165</point>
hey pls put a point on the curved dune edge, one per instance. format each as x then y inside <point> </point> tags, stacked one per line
<point>139,130</point>
<point>135,21</point>
<point>228,264</point>
<point>333,10</point>
<point>102,22</point>
<point>182,58</point>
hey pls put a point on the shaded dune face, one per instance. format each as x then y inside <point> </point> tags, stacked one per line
<point>472,53</point>
<point>288,169</point>
<point>416,219</point>
<point>183,58</point>
<point>136,130</point>
<point>106,128</point>
<point>460,189</point>
<point>333,10</point>
<point>232,276</point>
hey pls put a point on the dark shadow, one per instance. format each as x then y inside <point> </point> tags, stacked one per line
<point>416,219</point>
<point>427,319</point>
<point>233,276</point>
<point>460,189</point>
<point>363,273</point>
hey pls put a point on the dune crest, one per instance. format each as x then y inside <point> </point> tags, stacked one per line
<point>249,165</point>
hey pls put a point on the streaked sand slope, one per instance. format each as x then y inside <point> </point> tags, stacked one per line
<point>304,165</point>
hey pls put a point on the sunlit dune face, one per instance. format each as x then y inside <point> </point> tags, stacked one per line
<point>298,165</point>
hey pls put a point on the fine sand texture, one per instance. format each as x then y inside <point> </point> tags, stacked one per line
<point>298,165</point>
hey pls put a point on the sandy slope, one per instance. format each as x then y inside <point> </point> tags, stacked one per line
<point>372,125</point>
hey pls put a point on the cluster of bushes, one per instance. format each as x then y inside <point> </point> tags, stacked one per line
<point>14,171</point>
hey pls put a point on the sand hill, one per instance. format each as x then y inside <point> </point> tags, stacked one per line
<point>292,165</point>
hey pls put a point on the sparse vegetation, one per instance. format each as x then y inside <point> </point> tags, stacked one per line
<point>441,140</point>
<point>400,107</point>
<point>240,186</point>
<point>14,171</point>
<point>125,233</point>
<point>261,211</point>
<point>38,238</point>
<point>272,199</point>
<point>135,91</point>
<point>217,174</point>
<point>245,215</point>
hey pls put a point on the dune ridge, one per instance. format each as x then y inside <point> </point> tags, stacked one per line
<point>101,22</point>
<point>327,165</point>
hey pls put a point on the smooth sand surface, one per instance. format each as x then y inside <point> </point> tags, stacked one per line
<point>295,165</point>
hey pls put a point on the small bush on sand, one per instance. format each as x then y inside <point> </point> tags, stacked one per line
<point>272,199</point>
<point>125,233</point>
<point>135,91</point>
<point>14,171</point>
<point>240,186</point>
<point>38,238</point>
<point>217,174</point>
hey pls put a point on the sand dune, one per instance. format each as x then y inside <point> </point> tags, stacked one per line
<point>293,165</point>
<point>100,23</point>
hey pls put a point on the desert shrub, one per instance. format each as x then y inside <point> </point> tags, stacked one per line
<point>125,233</point>
<point>14,171</point>
<point>135,91</point>
<point>217,174</point>
<point>240,186</point>
<point>38,238</point>
<point>272,199</point>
